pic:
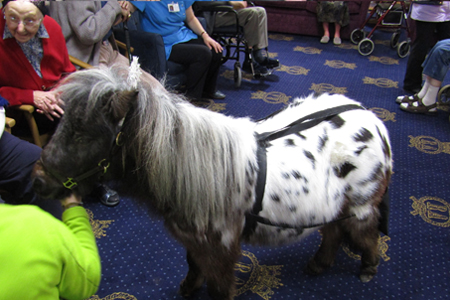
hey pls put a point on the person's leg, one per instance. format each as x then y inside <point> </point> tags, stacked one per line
<point>337,34</point>
<point>326,33</point>
<point>17,158</point>
<point>419,49</point>
<point>198,58</point>
<point>210,86</point>
<point>254,22</point>
<point>427,104</point>
<point>438,61</point>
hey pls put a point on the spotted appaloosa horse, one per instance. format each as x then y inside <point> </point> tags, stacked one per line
<point>201,169</point>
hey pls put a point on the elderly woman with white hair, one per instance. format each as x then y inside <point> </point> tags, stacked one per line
<point>38,59</point>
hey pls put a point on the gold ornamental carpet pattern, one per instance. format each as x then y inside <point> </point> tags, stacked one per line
<point>142,261</point>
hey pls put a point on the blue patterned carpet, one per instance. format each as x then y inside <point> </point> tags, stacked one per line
<point>141,261</point>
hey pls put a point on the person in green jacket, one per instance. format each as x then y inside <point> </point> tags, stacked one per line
<point>44,258</point>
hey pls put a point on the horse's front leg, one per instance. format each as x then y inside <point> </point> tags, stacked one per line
<point>193,280</point>
<point>213,262</point>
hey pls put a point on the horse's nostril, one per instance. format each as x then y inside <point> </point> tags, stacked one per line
<point>38,185</point>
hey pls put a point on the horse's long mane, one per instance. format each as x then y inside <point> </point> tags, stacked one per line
<point>195,162</point>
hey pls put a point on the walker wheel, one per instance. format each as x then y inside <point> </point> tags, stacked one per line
<point>357,36</point>
<point>237,75</point>
<point>394,39</point>
<point>403,49</point>
<point>365,47</point>
<point>444,96</point>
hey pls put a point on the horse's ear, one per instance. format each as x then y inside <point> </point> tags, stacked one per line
<point>118,105</point>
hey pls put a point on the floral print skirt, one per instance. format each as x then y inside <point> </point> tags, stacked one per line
<point>333,12</point>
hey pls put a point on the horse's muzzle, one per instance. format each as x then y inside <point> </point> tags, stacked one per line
<point>45,185</point>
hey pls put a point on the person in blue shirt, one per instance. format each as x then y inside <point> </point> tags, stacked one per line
<point>186,42</point>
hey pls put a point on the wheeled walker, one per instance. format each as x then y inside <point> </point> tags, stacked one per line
<point>388,18</point>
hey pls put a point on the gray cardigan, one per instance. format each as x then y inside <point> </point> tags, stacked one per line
<point>84,25</point>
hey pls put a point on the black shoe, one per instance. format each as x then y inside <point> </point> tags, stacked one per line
<point>257,69</point>
<point>108,197</point>
<point>270,63</point>
<point>218,95</point>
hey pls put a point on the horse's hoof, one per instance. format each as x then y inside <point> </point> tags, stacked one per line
<point>365,277</point>
<point>313,269</point>
<point>185,290</point>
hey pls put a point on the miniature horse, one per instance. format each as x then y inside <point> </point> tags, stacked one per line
<point>218,180</point>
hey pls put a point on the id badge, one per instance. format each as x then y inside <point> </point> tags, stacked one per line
<point>173,7</point>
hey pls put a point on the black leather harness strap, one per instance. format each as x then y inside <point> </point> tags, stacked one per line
<point>252,218</point>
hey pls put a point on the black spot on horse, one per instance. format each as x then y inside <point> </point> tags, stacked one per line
<point>290,143</point>
<point>311,157</point>
<point>386,147</point>
<point>305,190</point>
<point>343,170</point>
<point>337,122</point>
<point>275,197</point>
<point>285,175</point>
<point>376,173</point>
<point>322,142</point>
<point>363,135</point>
<point>293,208</point>
<point>297,175</point>
<point>360,150</point>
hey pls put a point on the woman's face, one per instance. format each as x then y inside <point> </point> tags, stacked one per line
<point>23,19</point>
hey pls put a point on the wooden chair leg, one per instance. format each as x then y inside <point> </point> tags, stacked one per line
<point>33,128</point>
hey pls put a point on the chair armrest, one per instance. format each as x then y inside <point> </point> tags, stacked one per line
<point>9,124</point>
<point>124,46</point>
<point>79,63</point>
<point>26,108</point>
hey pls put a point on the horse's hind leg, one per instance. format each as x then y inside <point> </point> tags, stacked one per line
<point>324,257</point>
<point>364,236</point>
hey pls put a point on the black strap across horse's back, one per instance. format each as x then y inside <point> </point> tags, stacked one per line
<point>306,122</point>
<point>252,218</point>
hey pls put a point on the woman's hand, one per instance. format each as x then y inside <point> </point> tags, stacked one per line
<point>211,43</point>
<point>71,201</point>
<point>48,104</point>
<point>126,10</point>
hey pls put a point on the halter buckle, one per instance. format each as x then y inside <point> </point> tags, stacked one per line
<point>101,164</point>
<point>70,184</point>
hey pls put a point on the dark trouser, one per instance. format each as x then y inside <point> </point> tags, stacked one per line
<point>425,40</point>
<point>17,158</point>
<point>203,66</point>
